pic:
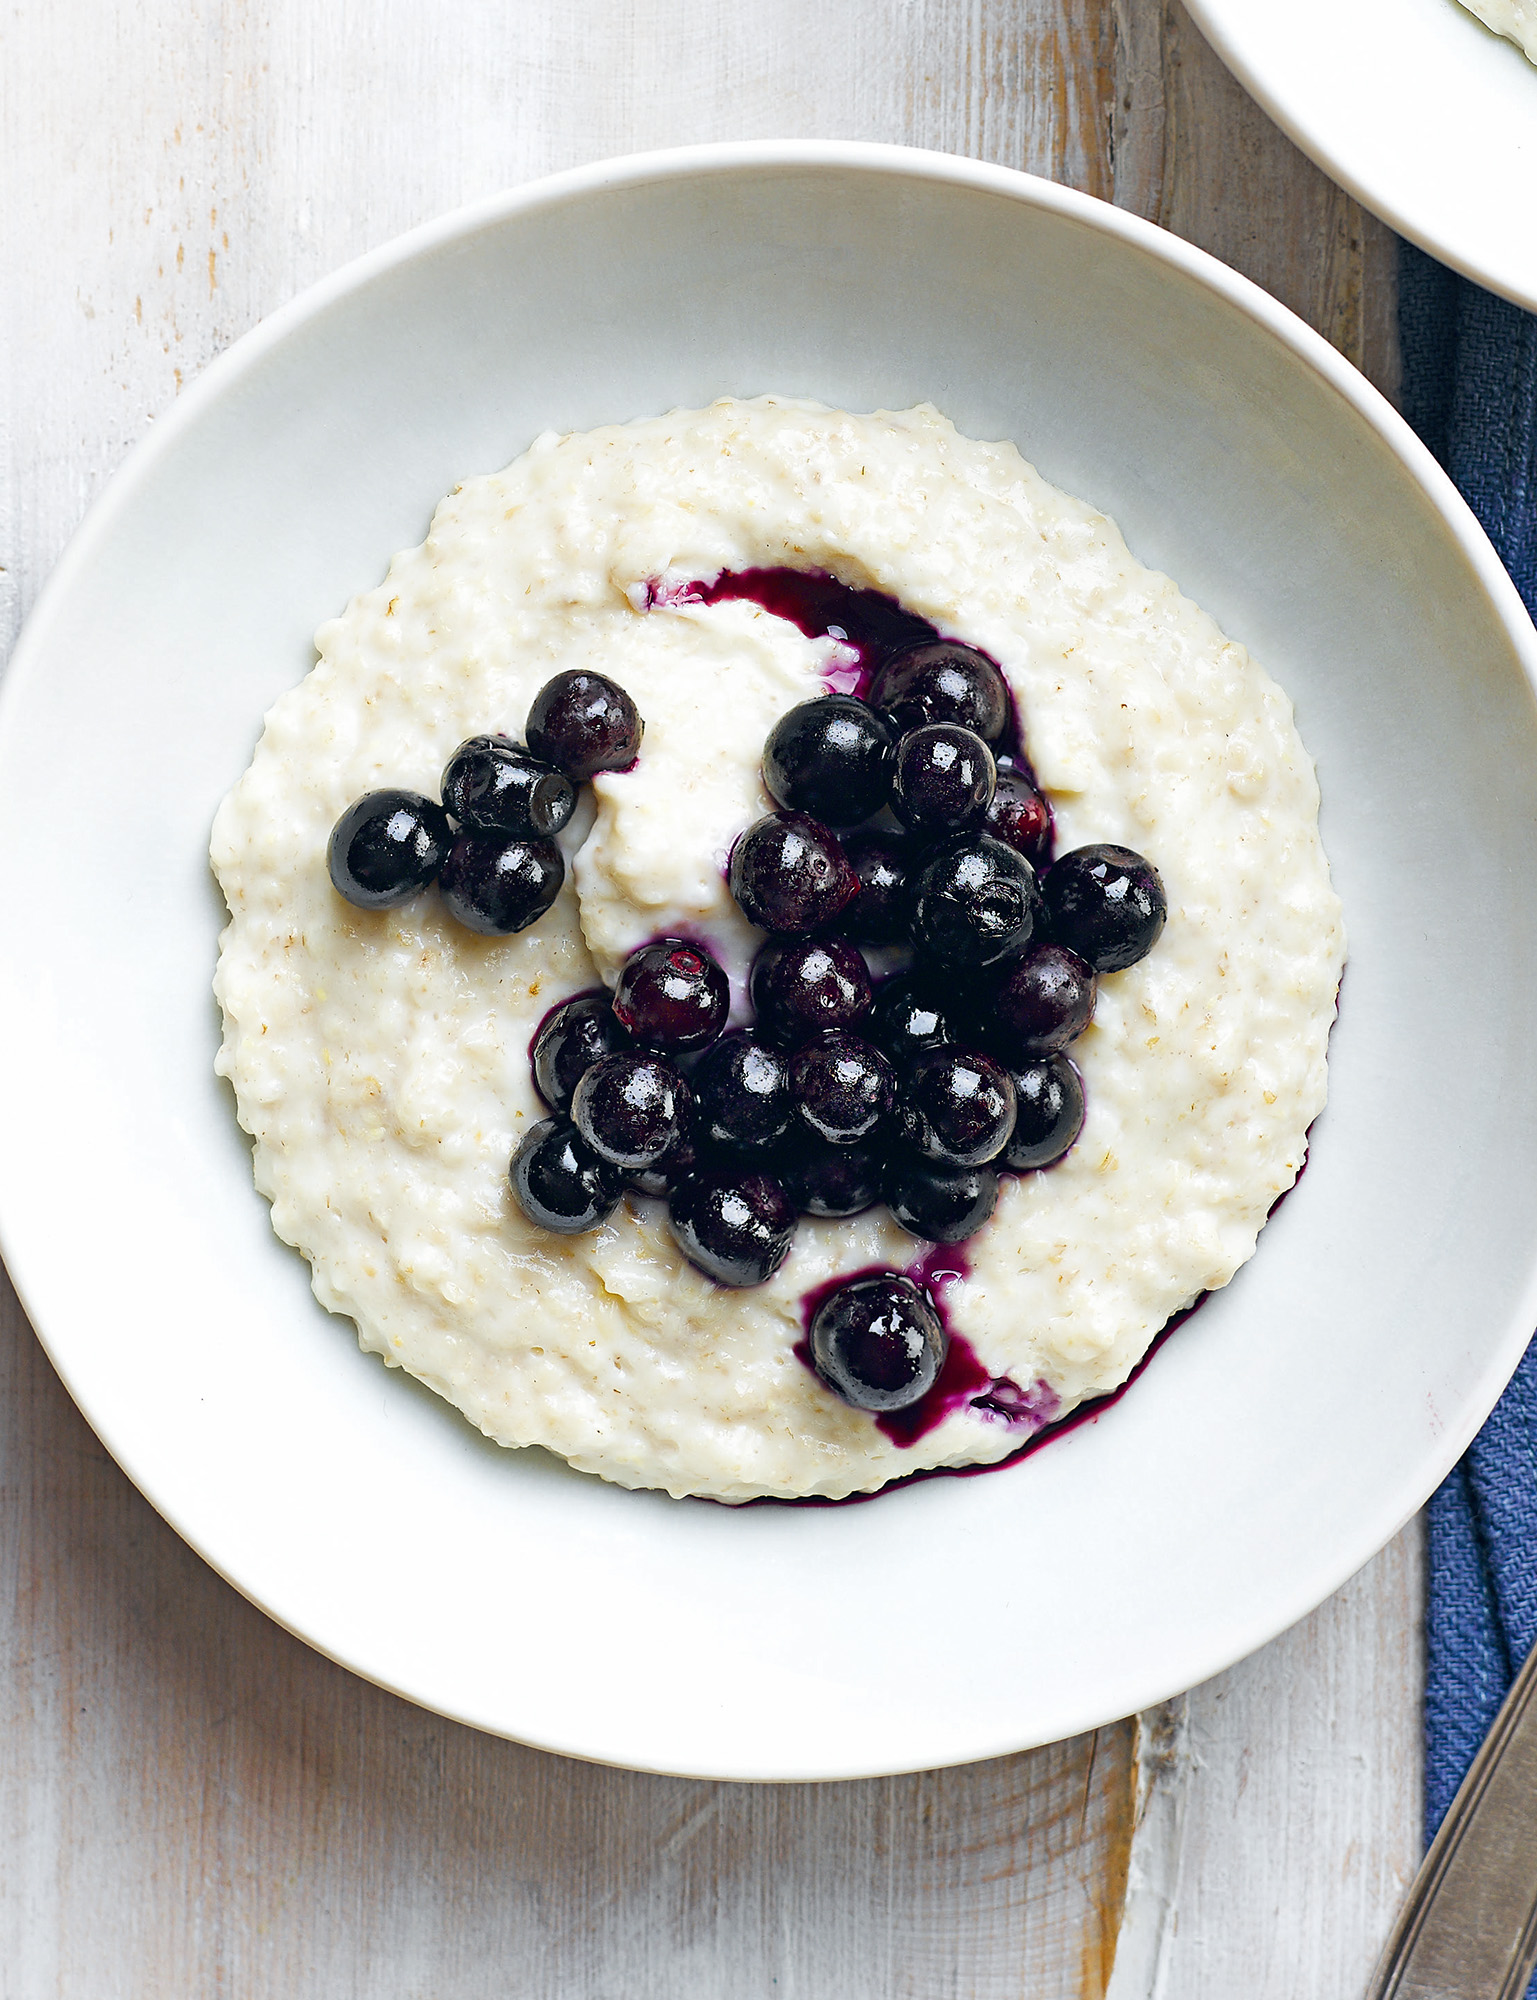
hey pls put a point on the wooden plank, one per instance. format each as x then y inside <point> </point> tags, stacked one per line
<point>191,1801</point>
<point>1301,1830</point>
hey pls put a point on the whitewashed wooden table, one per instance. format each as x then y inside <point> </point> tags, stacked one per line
<point>191,1803</point>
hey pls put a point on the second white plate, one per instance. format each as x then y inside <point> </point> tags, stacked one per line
<point>1423,114</point>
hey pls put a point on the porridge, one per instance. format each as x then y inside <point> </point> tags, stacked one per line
<point>716,571</point>
<point>1515,19</point>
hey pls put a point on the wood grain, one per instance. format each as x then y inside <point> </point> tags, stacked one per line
<point>1301,1831</point>
<point>190,1801</point>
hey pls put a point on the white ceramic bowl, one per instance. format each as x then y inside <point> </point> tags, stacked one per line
<point>1277,1440</point>
<point>1425,115</point>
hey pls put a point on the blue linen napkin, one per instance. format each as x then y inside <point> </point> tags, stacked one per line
<point>1470,390</point>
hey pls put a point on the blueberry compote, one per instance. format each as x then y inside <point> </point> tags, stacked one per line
<point>568,1041</point>
<point>958,1382</point>
<point>921,729</point>
<point>386,846</point>
<point>584,723</point>
<point>878,1342</point>
<point>742,1091</point>
<point>672,995</point>
<point>907,820</point>
<point>963,1383</point>
<point>493,785</point>
<point>489,846</point>
<point>809,985</point>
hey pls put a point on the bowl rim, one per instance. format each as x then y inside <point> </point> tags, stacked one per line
<point>732,158</point>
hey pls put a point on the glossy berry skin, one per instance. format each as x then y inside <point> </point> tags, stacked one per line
<point>742,1092</point>
<point>498,883</point>
<point>560,1183</point>
<point>735,1226</point>
<point>906,1019</point>
<point>385,847</point>
<point>940,1204</point>
<point>760,976</point>
<point>676,1165</point>
<point>942,778</point>
<point>808,986</point>
<point>631,1108</point>
<point>958,1106</point>
<point>827,1180</point>
<point>492,785</point>
<point>569,1042</point>
<point>790,876</point>
<point>942,681</point>
<point>1045,1001</point>
<point>672,995</point>
<point>879,912</point>
<point>842,1086</point>
<point>1106,903</point>
<point>830,758</point>
<point>582,723</point>
<point>1049,1114</point>
<point>973,903</point>
<point>1020,817</point>
<point>878,1343</point>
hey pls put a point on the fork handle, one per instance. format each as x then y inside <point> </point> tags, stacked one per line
<point>1468,1930</point>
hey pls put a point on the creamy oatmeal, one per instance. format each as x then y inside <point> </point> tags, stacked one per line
<point>1515,19</point>
<point>381,1060</point>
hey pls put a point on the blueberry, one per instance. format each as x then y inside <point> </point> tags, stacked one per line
<point>498,883</point>
<point>742,1092</point>
<point>677,1164</point>
<point>1045,1002</point>
<point>959,1106</point>
<point>973,902</point>
<point>560,1182</point>
<point>879,912</point>
<point>809,985</point>
<point>842,1086</point>
<point>1049,1117</point>
<point>672,995</point>
<point>830,758</point>
<point>569,1042</point>
<point>878,1343</point>
<point>631,1108</point>
<point>906,1019</point>
<point>1106,903</point>
<point>942,778</point>
<point>789,875</point>
<point>761,976</point>
<point>943,682</point>
<point>736,1226</point>
<point>940,1204</point>
<point>492,785</point>
<point>1020,816</point>
<point>582,723</point>
<point>386,846</point>
<point>823,1179</point>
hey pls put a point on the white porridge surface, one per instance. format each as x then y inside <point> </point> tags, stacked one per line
<point>1515,19</point>
<point>380,1061</point>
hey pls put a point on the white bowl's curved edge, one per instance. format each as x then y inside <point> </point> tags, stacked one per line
<point>1267,313</point>
<point>1520,289</point>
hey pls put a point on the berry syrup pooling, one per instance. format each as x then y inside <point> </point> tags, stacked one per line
<point>907,819</point>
